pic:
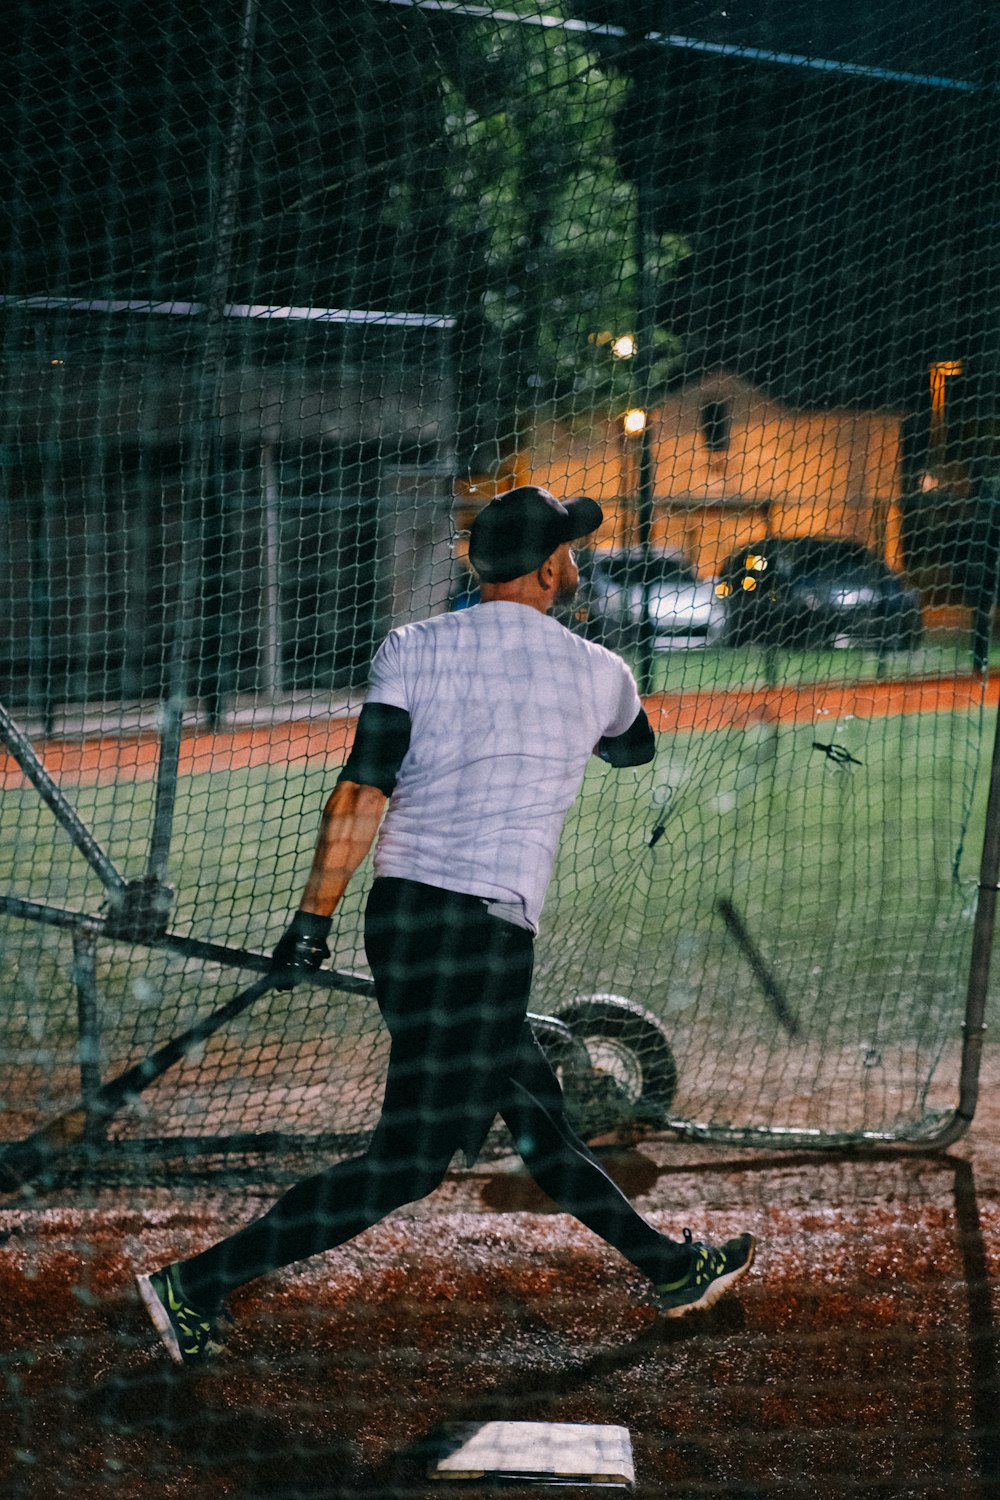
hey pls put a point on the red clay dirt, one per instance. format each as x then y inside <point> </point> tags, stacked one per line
<point>860,1358</point>
<point>135,757</point>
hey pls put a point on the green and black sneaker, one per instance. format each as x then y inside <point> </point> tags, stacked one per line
<point>188,1334</point>
<point>712,1272</point>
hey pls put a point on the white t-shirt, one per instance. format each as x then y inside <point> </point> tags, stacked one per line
<point>506,706</point>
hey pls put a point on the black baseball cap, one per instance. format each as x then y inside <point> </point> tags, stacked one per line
<point>519,529</point>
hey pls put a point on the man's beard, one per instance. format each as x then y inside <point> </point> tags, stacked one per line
<point>569,585</point>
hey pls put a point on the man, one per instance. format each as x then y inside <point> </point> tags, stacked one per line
<point>476,729</point>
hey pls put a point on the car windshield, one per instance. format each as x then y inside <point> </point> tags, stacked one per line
<point>835,561</point>
<point>632,568</point>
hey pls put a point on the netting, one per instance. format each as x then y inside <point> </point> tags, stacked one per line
<point>289,294</point>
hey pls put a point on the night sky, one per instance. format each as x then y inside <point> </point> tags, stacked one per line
<point>842,228</point>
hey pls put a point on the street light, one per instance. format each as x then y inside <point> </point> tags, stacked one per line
<point>941,371</point>
<point>634,422</point>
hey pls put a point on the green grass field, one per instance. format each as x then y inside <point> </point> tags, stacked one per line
<point>940,655</point>
<point>856,881</point>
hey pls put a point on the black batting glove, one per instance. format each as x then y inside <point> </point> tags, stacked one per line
<point>301,950</point>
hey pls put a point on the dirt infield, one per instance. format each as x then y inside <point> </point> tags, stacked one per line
<point>135,757</point>
<point>859,1359</point>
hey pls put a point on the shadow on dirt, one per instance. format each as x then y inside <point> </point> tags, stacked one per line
<point>984,1342</point>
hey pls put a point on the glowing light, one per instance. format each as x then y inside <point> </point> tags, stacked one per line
<point>941,371</point>
<point>756,564</point>
<point>634,421</point>
<point>723,590</point>
<point>749,584</point>
<point>623,346</point>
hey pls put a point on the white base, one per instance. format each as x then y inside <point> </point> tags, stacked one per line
<point>537,1452</point>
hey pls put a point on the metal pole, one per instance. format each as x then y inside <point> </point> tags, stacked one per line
<point>974,1025</point>
<point>977,990</point>
<point>982,944</point>
<point>983,140</point>
<point>65,920</point>
<point>208,485</point>
<point>212,486</point>
<point>645,231</point>
<point>88,1016</point>
<point>270,606</point>
<point>40,695</point>
<point>66,815</point>
<point>165,797</point>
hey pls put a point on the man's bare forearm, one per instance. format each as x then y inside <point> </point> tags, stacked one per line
<point>350,822</point>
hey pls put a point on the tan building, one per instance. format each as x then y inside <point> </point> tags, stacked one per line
<point>731,465</point>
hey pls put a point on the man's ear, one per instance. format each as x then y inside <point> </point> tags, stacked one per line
<point>547,574</point>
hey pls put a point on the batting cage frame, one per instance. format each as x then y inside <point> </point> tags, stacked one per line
<point>138,913</point>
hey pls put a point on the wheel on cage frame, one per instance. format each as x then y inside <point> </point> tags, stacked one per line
<point>632,1064</point>
<point>614,1061</point>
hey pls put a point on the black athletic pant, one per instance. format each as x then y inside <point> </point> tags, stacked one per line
<point>452,984</point>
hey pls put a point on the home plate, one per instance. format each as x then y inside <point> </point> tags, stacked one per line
<point>535,1453</point>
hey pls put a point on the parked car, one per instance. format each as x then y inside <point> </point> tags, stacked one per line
<point>621,588</point>
<point>816,591</point>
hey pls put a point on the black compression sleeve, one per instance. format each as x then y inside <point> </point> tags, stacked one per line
<point>381,740</point>
<point>633,748</point>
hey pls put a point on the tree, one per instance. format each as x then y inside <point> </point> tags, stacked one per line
<point>543,218</point>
